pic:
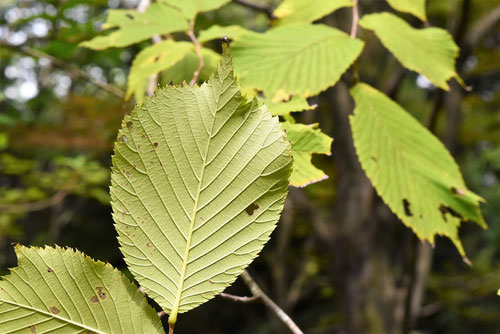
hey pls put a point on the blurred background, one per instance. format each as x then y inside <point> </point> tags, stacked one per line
<point>339,261</point>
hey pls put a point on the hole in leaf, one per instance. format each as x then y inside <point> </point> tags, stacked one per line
<point>407,208</point>
<point>448,210</point>
<point>251,209</point>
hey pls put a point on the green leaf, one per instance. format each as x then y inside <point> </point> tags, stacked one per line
<point>306,11</point>
<point>306,140</point>
<point>301,59</point>
<point>198,183</point>
<point>414,7</point>
<point>134,27</point>
<point>284,108</point>
<point>215,32</point>
<point>430,52</point>
<point>190,8</point>
<point>151,60</point>
<point>55,290</point>
<point>184,69</point>
<point>410,168</point>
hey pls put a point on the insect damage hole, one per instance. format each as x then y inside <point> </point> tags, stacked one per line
<point>251,209</point>
<point>448,210</point>
<point>406,206</point>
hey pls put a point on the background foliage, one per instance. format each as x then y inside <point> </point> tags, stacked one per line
<point>339,259</point>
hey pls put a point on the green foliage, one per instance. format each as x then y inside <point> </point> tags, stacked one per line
<point>152,60</point>
<point>430,52</point>
<point>284,108</point>
<point>306,11</point>
<point>410,168</point>
<point>183,70</point>
<point>306,140</point>
<point>64,291</point>
<point>216,32</point>
<point>301,59</point>
<point>415,7</point>
<point>190,8</point>
<point>133,27</point>
<point>199,179</point>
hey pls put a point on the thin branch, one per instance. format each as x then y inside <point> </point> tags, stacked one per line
<point>72,70</point>
<point>258,7</point>
<point>197,49</point>
<point>355,18</point>
<point>35,206</point>
<point>238,299</point>
<point>257,292</point>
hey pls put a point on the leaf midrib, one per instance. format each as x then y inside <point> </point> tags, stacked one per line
<point>53,316</point>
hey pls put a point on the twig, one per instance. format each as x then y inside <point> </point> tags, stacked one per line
<point>258,7</point>
<point>355,18</point>
<point>35,206</point>
<point>72,70</point>
<point>238,299</point>
<point>257,292</point>
<point>197,49</point>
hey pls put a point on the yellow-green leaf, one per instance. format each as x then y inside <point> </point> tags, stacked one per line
<point>306,140</point>
<point>301,59</point>
<point>414,7</point>
<point>56,290</point>
<point>190,8</point>
<point>410,168</point>
<point>284,108</point>
<point>215,32</point>
<point>199,179</point>
<point>151,60</point>
<point>306,11</point>
<point>430,51</point>
<point>133,27</point>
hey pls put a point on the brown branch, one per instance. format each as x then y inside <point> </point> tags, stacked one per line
<point>257,292</point>
<point>238,299</point>
<point>35,206</point>
<point>257,7</point>
<point>197,50</point>
<point>355,18</point>
<point>72,70</point>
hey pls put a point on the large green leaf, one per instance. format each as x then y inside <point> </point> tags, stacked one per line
<point>198,183</point>
<point>151,60</point>
<point>306,11</point>
<point>184,69</point>
<point>430,52</point>
<point>301,59</point>
<point>55,290</point>
<point>410,168</point>
<point>415,7</point>
<point>306,140</point>
<point>133,27</point>
<point>192,7</point>
<point>215,32</point>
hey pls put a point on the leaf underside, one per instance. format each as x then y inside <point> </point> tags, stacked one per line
<point>410,168</point>
<point>198,183</point>
<point>55,290</point>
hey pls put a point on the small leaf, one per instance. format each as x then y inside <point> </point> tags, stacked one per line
<point>284,108</point>
<point>55,290</point>
<point>300,59</point>
<point>306,11</point>
<point>415,7</point>
<point>410,168</point>
<point>134,27</point>
<point>189,166</point>
<point>190,8</point>
<point>306,140</point>
<point>184,69</point>
<point>151,60</point>
<point>430,52</point>
<point>215,32</point>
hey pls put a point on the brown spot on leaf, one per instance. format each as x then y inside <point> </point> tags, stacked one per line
<point>373,158</point>
<point>251,209</point>
<point>94,299</point>
<point>148,244</point>
<point>155,144</point>
<point>33,329</point>
<point>407,208</point>
<point>49,270</point>
<point>157,58</point>
<point>54,310</point>
<point>101,294</point>
<point>130,126</point>
<point>129,16</point>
